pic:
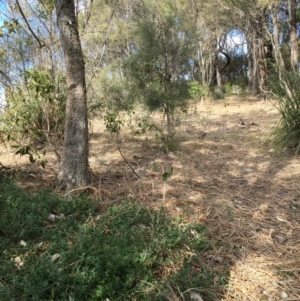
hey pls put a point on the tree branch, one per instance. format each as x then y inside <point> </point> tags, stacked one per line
<point>6,76</point>
<point>119,149</point>
<point>28,25</point>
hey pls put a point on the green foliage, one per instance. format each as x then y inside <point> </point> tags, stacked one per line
<point>146,125</point>
<point>8,27</point>
<point>113,122</point>
<point>154,90</point>
<point>169,143</point>
<point>287,130</point>
<point>217,95</point>
<point>166,175</point>
<point>227,87</point>
<point>156,66</point>
<point>196,90</point>
<point>35,112</point>
<point>129,253</point>
<point>48,7</point>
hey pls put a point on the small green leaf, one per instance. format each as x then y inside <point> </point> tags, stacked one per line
<point>31,159</point>
<point>165,176</point>
<point>171,171</point>
<point>26,150</point>
<point>43,163</point>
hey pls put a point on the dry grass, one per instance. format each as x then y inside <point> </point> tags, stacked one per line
<point>246,195</point>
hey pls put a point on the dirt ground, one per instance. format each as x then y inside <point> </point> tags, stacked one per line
<point>224,176</point>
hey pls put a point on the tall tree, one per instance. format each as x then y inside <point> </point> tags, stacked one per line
<point>292,10</point>
<point>158,65</point>
<point>74,168</point>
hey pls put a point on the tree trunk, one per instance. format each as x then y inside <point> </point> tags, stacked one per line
<point>277,51</point>
<point>275,40</point>
<point>74,168</point>
<point>252,63</point>
<point>219,80</point>
<point>250,69</point>
<point>254,69</point>
<point>292,7</point>
<point>261,67</point>
<point>169,124</point>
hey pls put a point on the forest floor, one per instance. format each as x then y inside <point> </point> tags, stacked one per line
<point>246,195</point>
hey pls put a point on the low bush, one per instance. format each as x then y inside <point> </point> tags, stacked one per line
<point>34,115</point>
<point>129,253</point>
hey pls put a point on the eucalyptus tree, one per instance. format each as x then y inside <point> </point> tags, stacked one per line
<point>30,27</point>
<point>245,18</point>
<point>292,21</point>
<point>285,83</point>
<point>31,61</point>
<point>74,168</point>
<point>271,32</point>
<point>283,30</point>
<point>210,26</point>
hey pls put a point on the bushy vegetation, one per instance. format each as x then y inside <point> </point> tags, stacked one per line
<point>197,91</point>
<point>129,253</point>
<point>286,131</point>
<point>34,114</point>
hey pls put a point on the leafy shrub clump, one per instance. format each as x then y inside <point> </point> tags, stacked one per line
<point>129,253</point>
<point>196,90</point>
<point>227,87</point>
<point>217,95</point>
<point>286,132</point>
<point>34,114</point>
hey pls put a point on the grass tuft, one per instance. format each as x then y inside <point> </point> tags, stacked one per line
<point>286,132</point>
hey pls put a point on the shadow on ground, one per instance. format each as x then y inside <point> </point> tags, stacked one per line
<point>229,180</point>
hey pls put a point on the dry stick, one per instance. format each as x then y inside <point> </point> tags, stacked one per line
<point>28,25</point>
<point>119,149</point>
<point>164,194</point>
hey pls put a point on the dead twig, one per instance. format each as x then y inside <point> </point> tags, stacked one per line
<point>128,163</point>
<point>85,188</point>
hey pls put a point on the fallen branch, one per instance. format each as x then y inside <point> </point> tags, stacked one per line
<point>119,149</point>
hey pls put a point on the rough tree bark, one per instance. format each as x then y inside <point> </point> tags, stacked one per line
<point>262,73</point>
<point>252,62</point>
<point>74,168</point>
<point>292,8</point>
<point>275,40</point>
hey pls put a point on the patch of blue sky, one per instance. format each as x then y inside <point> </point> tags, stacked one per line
<point>236,41</point>
<point>3,17</point>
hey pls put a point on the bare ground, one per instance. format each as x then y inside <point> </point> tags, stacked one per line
<point>247,196</point>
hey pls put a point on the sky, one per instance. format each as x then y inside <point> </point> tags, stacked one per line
<point>236,39</point>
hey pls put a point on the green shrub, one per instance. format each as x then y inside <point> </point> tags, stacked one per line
<point>286,131</point>
<point>217,95</point>
<point>34,114</point>
<point>196,90</point>
<point>227,88</point>
<point>129,253</point>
